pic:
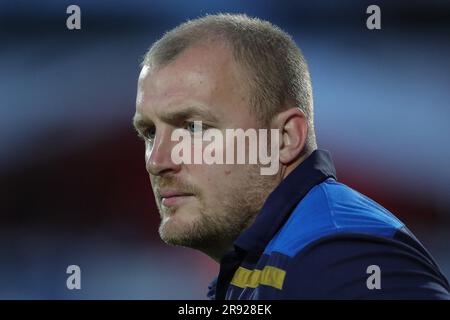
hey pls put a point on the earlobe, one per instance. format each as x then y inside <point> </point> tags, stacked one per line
<point>293,127</point>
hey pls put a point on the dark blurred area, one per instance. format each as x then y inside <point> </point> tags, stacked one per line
<point>73,185</point>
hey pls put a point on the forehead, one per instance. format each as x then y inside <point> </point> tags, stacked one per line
<point>202,75</point>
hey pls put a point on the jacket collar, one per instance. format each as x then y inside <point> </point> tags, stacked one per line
<point>280,203</point>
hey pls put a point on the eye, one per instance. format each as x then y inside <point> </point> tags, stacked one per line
<point>149,133</point>
<point>195,126</point>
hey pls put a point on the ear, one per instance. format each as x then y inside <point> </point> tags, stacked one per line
<point>293,127</point>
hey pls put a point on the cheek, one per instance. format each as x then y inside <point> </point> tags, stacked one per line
<point>211,178</point>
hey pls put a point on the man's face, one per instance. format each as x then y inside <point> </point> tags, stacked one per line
<point>201,206</point>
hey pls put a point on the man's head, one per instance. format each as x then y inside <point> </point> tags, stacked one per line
<point>229,72</point>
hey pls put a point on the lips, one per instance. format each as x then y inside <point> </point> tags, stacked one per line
<point>173,197</point>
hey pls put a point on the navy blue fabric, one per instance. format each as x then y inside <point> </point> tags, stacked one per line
<point>324,235</point>
<point>330,208</point>
<point>336,268</point>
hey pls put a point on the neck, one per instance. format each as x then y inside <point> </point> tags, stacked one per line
<point>217,251</point>
<point>286,170</point>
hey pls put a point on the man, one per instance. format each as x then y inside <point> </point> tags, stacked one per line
<point>294,234</point>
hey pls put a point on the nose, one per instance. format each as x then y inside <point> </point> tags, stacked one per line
<point>158,157</point>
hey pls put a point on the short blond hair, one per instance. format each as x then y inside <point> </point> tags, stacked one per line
<point>277,70</point>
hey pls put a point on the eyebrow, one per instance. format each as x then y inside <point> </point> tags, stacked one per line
<point>140,122</point>
<point>188,112</point>
<point>175,117</point>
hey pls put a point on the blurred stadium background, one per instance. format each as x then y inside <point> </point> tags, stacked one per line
<point>73,185</point>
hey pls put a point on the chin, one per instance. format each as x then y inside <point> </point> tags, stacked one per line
<point>177,227</point>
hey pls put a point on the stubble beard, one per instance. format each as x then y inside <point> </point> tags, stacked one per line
<point>217,225</point>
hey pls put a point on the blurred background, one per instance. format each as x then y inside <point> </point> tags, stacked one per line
<point>73,187</point>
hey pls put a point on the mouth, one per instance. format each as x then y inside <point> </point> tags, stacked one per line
<point>171,198</point>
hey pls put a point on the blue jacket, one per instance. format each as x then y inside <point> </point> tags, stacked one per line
<point>316,238</point>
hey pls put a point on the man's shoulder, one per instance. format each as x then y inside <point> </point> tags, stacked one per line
<point>335,234</point>
<point>332,208</point>
<point>345,267</point>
